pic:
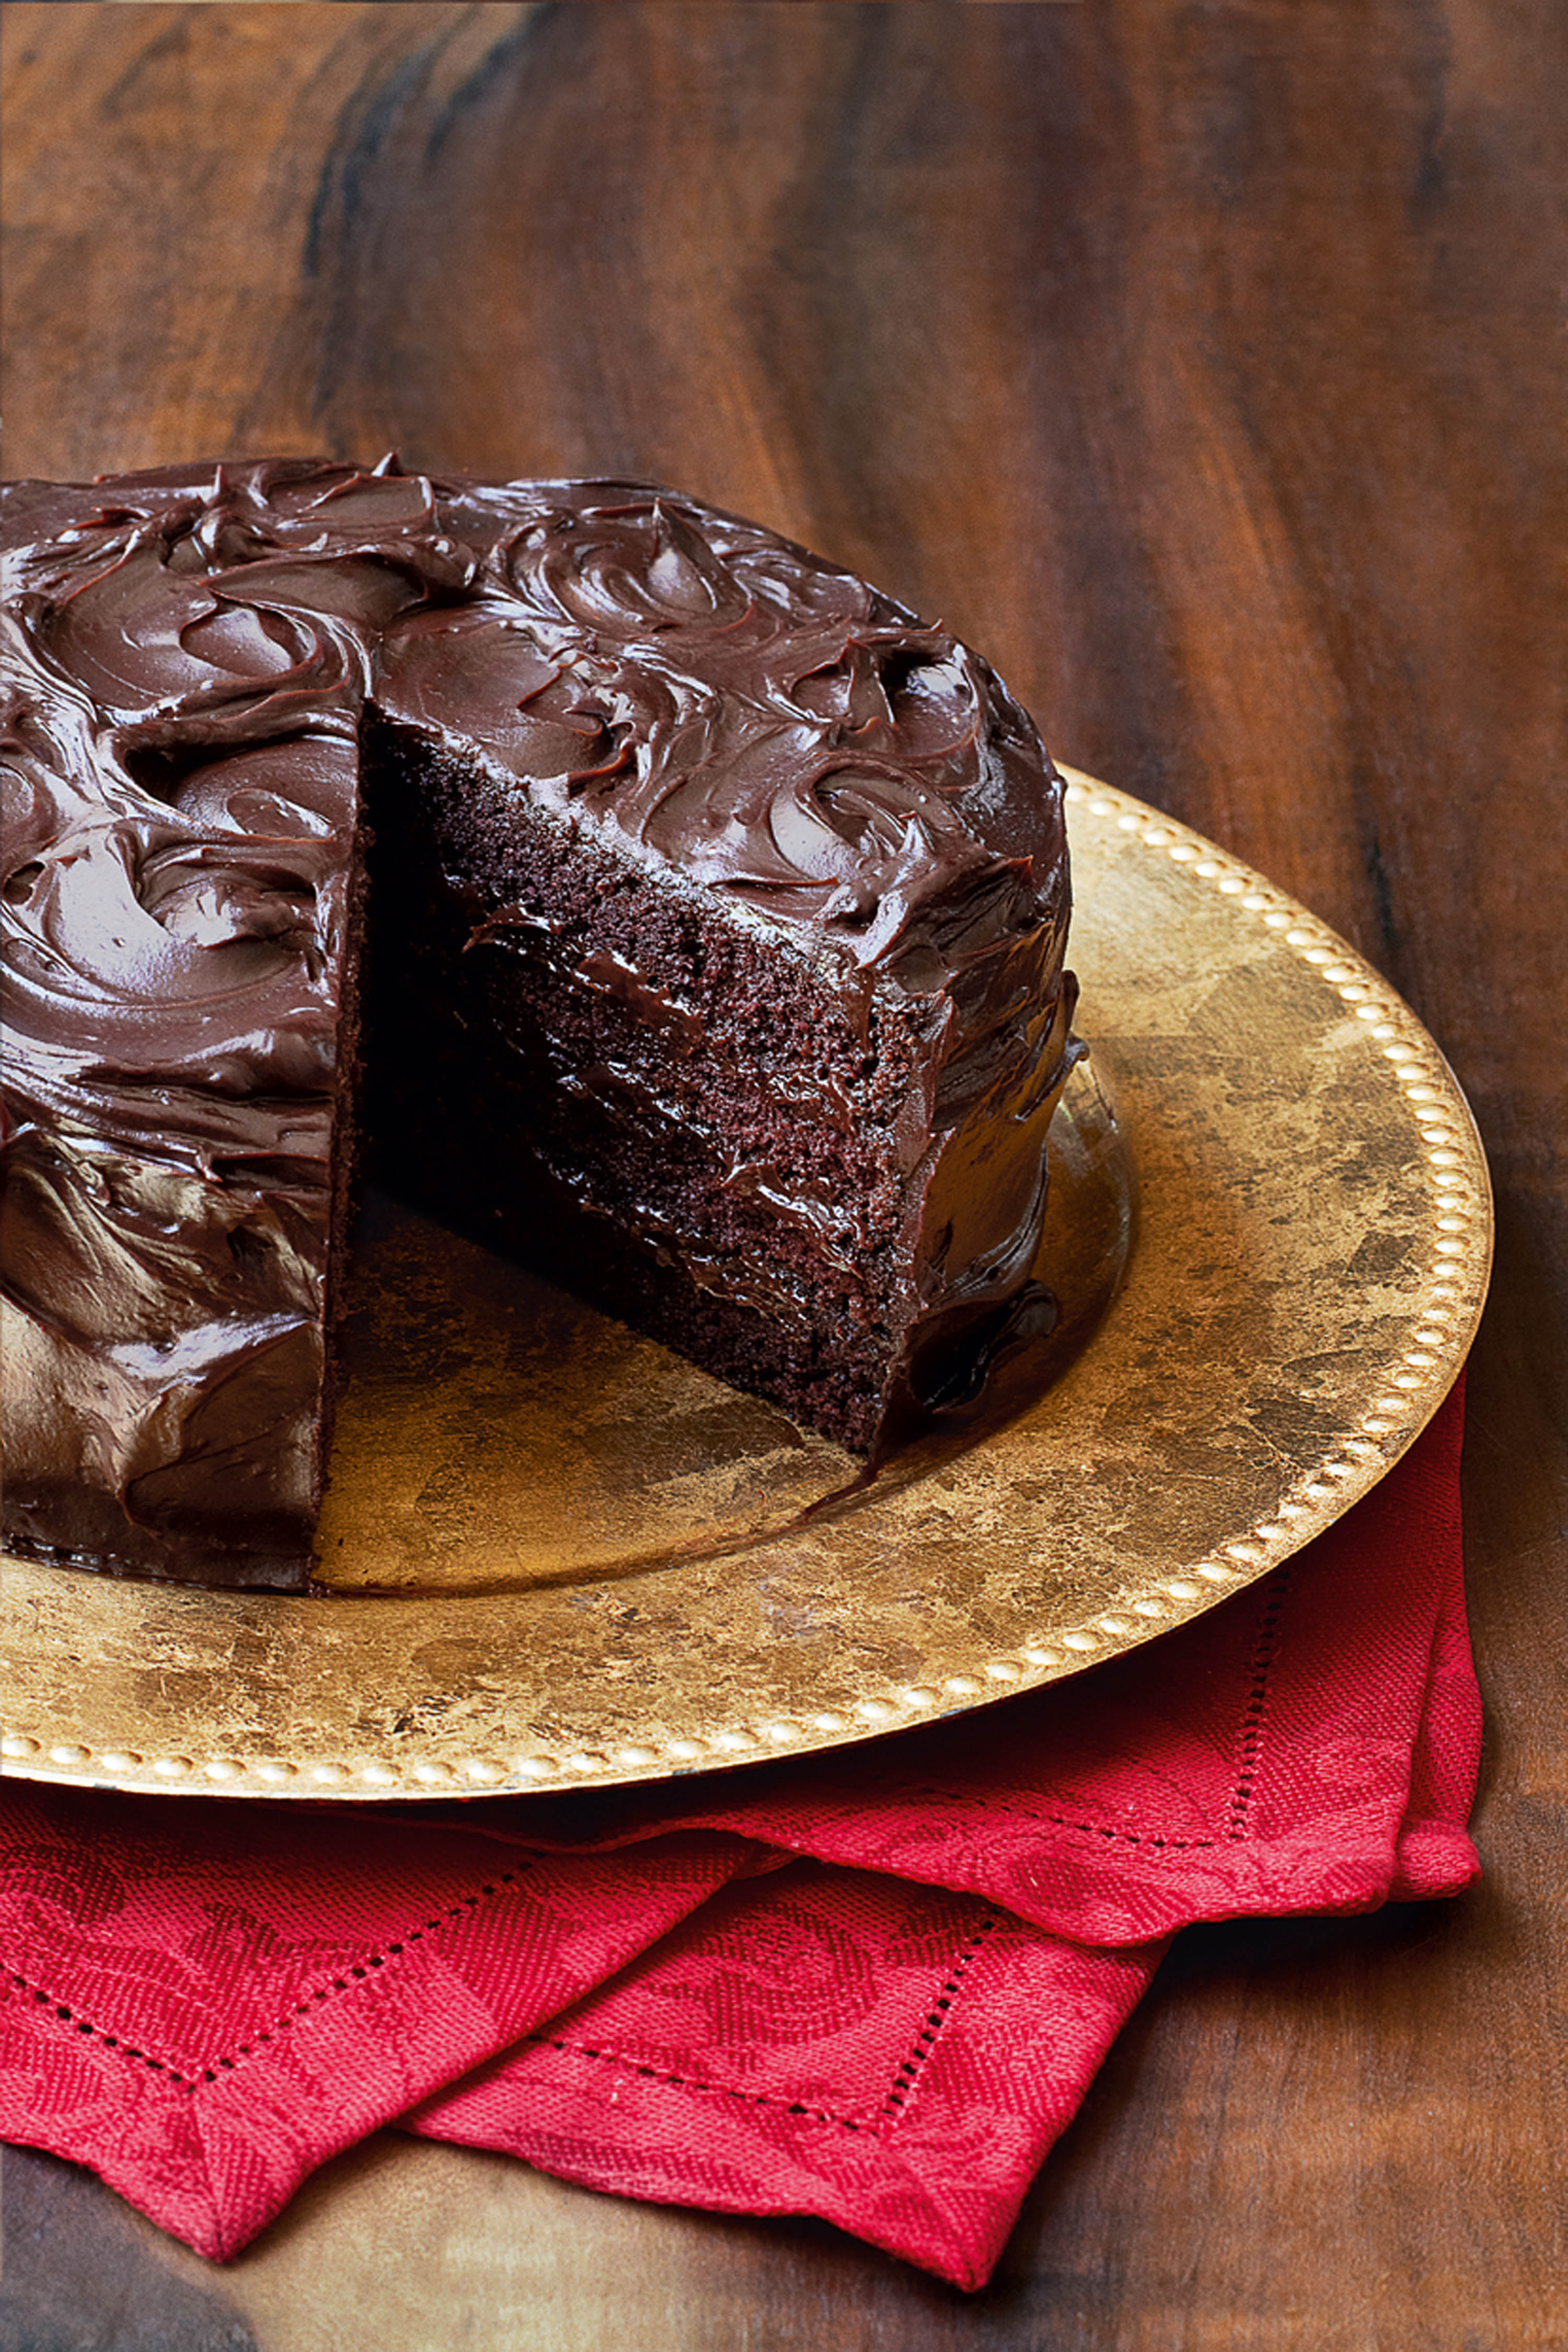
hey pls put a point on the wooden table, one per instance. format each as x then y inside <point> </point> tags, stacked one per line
<point>1200,364</point>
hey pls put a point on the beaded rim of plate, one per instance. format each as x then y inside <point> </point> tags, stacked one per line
<point>1407,1389</point>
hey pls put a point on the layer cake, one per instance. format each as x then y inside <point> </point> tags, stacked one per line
<point>647,895</point>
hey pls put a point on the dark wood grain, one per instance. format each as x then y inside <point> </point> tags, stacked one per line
<point>1203,365</point>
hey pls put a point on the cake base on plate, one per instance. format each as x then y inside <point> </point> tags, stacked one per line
<point>633,1583</point>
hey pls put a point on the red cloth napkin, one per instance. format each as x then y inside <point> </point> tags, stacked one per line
<point>873,1987</point>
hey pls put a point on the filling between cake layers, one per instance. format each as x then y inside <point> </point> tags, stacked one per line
<point>830,1198</point>
<point>714,963</point>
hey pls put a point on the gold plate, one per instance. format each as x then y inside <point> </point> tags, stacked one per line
<point>563,1556</point>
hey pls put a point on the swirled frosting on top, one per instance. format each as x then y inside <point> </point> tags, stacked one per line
<point>722,702</point>
<point>734,708</point>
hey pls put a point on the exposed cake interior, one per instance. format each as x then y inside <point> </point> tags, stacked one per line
<point>654,1091</point>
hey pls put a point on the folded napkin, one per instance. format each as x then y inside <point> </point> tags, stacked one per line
<point>872,1987</point>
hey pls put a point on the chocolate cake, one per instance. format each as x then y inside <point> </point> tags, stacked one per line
<point>693,916</point>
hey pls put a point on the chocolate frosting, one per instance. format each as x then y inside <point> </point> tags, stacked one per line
<point>186,658</point>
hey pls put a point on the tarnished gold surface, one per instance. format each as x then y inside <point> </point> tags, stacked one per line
<point>562,1556</point>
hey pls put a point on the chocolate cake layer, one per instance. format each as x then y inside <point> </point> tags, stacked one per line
<point>715,956</point>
